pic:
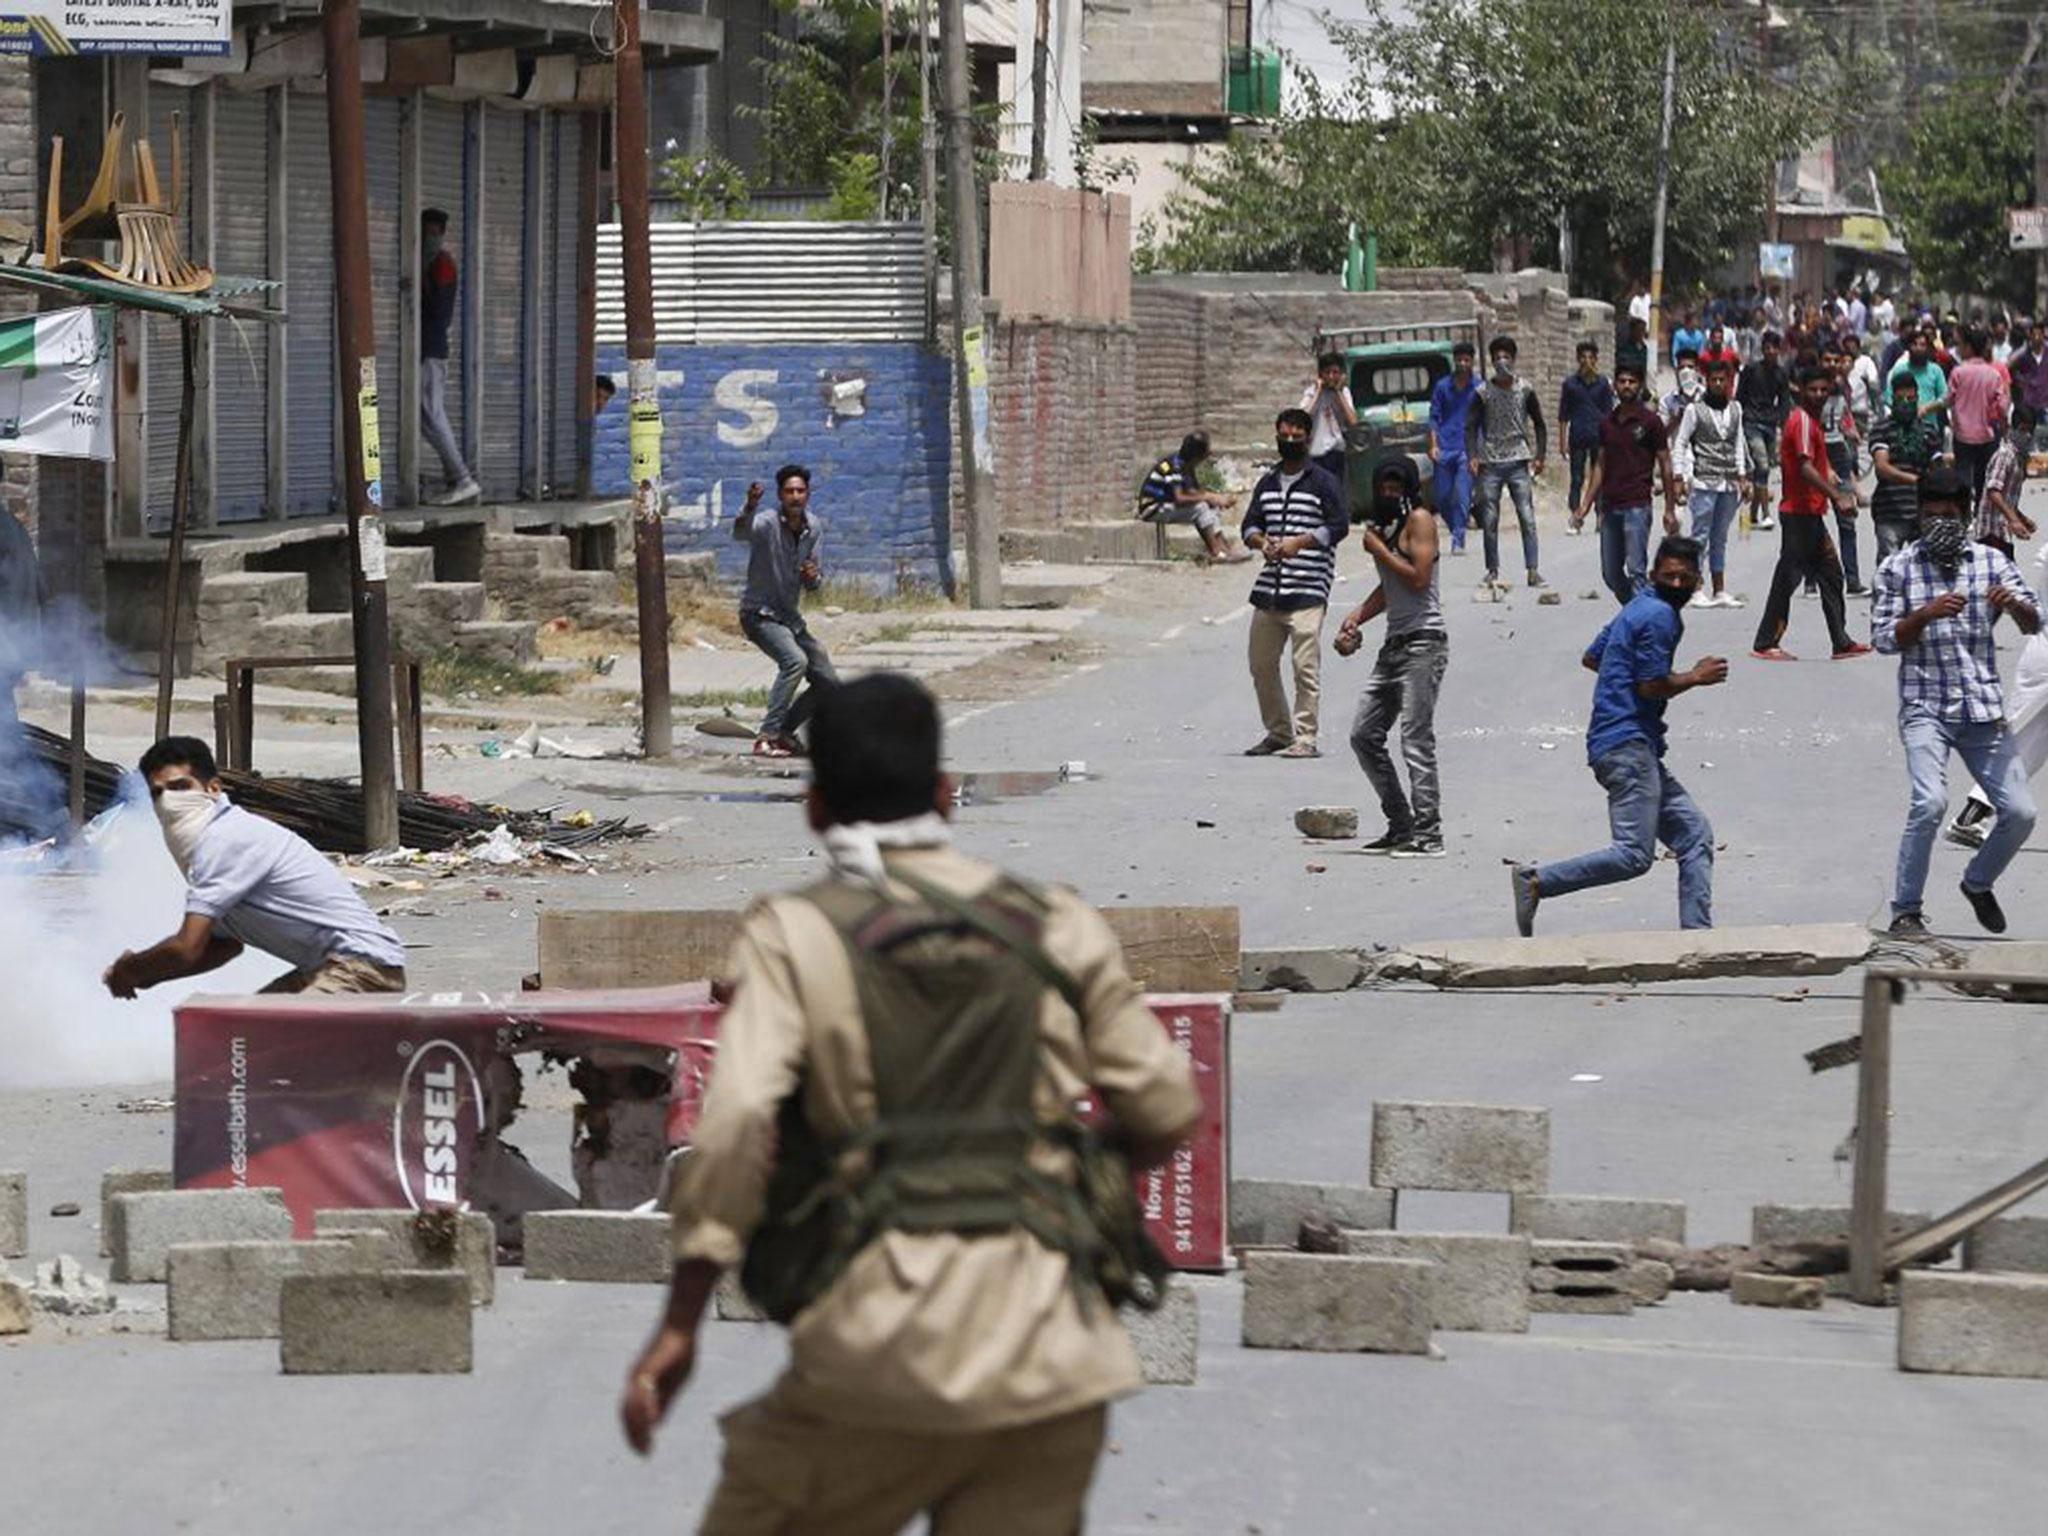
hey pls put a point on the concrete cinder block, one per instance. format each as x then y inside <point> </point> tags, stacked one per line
<point>599,1245</point>
<point>1752,1288</point>
<point>13,1215</point>
<point>1820,1223</point>
<point>1649,1281</point>
<point>146,1226</point>
<point>230,1290</point>
<point>1333,1302</point>
<point>1580,1277</point>
<point>1487,1148</point>
<point>1479,1282</point>
<point>1269,1211</point>
<point>732,1305</point>
<point>1596,1218</point>
<point>463,1240</point>
<point>392,1321</point>
<point>15,1311</point>
<point>127,1181</point>
<point>2014,1244</point>
<point>1301,970</point>
<point>1167,1339</point>
<point>1973,1324</point>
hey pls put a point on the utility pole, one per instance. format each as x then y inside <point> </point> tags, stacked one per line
<point>643,419</point>
<point>361,451</point>
<point>888,81</point>
<point>970,344</point>
<point>1041,53</point>
<point>2041,193</point>
<point>1663,189</point>
<point>928,172</point>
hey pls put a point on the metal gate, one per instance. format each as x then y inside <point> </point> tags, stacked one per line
<point>504,263</point>
<point>443,185</point>
<point>382,160</point>
<point>565,386</point>
<point>309,305</point>
<point>241,351</point>
<point>165,369</point>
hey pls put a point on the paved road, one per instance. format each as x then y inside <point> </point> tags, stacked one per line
<point>1684,1417</point>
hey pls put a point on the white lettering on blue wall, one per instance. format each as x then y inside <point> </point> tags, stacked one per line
<point>735,393</point>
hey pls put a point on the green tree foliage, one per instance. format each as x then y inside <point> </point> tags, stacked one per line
<point>1475,124</point>
<point>705,186</point>
<point>1964,166</point>
<point>821,91</point>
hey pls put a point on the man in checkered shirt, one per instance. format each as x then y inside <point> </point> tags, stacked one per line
<point>1936,602</point>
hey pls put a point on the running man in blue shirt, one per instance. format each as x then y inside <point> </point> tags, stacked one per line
<point>1646,805</point>
<point>1450,403</point>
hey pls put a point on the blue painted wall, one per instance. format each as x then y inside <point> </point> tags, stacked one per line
<point>880,475</point>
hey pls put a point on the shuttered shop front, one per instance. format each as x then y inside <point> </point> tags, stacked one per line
<point>385,209</point>
<point>241,350</point>
<point>505,297</point>
<point>443,171</point>
<point>166,370</point>
<point>309,306</point>
<point>565,143</point>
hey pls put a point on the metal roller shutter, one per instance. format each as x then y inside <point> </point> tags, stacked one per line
<point>563,364</point>
<point>502,249</point>
<point>381,139</point>
<point>241,353</point>
<point>166,374</point>
<point>309,302</point>
<point>443,170</point>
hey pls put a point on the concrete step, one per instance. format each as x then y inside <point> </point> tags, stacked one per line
<point>1121,539</point>
<point>1051,586</point>
<point>507,553</point>
<point>512,641</point>
<point>545,595</point>
<point>304,634</point>
<point>249,594</point>
<point>439,605</point>
<point>407,566</point>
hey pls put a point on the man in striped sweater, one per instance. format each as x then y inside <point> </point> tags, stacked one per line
<point>1296,521</point>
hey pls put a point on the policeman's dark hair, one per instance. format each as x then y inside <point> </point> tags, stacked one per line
<point>1676,546</point>
<point>1329,360</point>
<point>1463,349</point>
<point>875,748</point>
<point>1295,416</point>
<point>1941,483</point>
<point>432,216</point>
<point>180,752</point>
<point>1194,446</point>
<point>792,472</point>
<point>1501,344</point>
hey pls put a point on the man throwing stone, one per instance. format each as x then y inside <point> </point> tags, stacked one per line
<point>782,565</point>
<point>1634,659</point>
<point>1401,537</point>
<point>1936,602</point>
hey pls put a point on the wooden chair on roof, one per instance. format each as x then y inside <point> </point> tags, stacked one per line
<point>137,214</point>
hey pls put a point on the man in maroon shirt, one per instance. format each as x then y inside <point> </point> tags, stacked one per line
<point>1805,552</point>
<point>1633,442</point>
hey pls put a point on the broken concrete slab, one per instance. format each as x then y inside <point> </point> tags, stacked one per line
<point>463,1240</point>
<point>13,1215</point>
<point>1597,1218</point>
<point>145,1226</point>
<point>1751,1288</point>
<point>1806,949</point>
<point>15,1313</point>
<point>621,1247</point>
<point>1303,970</point>
<point>1330,1302</point>
<point>1580,1277</point>
<point>1167,1339</point>
<point>1485,1148</point>
<point>127,1181</point>
<point>1332,822</point>
<point>1650,1281</point>
<point>1271,1211</point>
<point>1479,1282</point>
<point>409,1321</point>
<point>2019,958</point>
<point>1973,1324</point>
<point>1776,1225</point>
<point>1178,949</point>
<point>230,1290</point>
<point>66,1288</point>
<point>2016,1244</point>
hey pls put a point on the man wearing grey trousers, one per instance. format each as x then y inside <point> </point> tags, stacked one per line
<point>440,282</point>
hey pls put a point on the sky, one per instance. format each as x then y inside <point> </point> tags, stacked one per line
<point>1296,25</point>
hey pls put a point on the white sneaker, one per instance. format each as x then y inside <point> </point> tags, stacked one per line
<point>1730,600</point>
<point>457,495</point>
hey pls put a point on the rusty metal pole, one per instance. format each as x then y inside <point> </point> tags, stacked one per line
<point>181,514</point>
<point>643,418</point>
<point>362,453</point>
<point>970,344</point>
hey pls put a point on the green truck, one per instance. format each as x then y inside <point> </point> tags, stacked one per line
<point>1391,370</point>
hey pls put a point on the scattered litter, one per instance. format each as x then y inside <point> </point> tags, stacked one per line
<point>1077,769</point>
<point>1317,869</point>
<point>64,1208</point>
<point>1546,746</point>
<point>1550,599</point>
<point>1796,995</point>
<point>833,610</point>
<point>702,644</point>
<point>1586,1077</point>
<point>604,664</point>
<point>1589,597</point>
<point>1706,765</point>
<point>146,1106</point>
<point>530,743</point>
<point>1206,825</point>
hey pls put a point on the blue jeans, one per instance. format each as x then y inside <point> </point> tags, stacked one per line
<point>1986,748</point>
<point>1582,460</point>
<point>1625,550</point>
<point>1645,805</point>
<point>797,654</point>
<point>1454,494</point>
<point>1521,486</point>
<point>1713,514</point>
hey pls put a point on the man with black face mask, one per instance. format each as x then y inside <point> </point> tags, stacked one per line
<point>1403,544</point>
<point>1296,520</point>
<point>1633,657</point>
<point>1936,602</point>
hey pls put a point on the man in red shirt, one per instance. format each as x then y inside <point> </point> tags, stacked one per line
<point>1805,553</point>
<point>1979,400</point>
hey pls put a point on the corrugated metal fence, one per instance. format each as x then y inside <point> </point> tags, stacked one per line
<point>774,281</point>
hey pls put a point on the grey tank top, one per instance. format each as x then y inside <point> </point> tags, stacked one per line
<point>1411,612</point>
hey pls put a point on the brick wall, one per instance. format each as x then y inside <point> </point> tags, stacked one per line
<point>1155,56</point>
<point>1060,413</point>
<point>1419,279</point>
<point>17,200</point>
<point>732,414</point>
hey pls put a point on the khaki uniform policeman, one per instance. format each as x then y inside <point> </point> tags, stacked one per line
<point>964,1376</point>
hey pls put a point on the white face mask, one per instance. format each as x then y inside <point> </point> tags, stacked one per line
<point>184,814</point>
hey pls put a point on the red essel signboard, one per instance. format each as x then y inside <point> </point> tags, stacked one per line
<point>382,1102</point>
